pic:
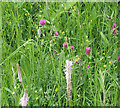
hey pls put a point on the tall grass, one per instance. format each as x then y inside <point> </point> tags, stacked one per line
<point>81,25</point>
<point>0,53</point>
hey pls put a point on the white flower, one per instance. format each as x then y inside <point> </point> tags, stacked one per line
<point>24,99</point>
<point>13,93</point>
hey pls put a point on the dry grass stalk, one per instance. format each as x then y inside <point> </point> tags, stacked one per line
<point>19,73</point>
<point>68,76</point>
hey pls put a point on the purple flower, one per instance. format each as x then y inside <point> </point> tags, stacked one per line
<point>109,18</point>
<point>42,22</point>
<point>88,66</point>
<point>113,27</point>
<point>114,32</point>
<point>77,62</point>
<point>56,34</point>
<point>72,47</point>
<point>118,58</point>
<point>88,49</point>
<point>55,51</point>
<point>65,44</point>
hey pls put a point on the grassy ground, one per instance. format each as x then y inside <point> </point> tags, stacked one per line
<point>81,25</point>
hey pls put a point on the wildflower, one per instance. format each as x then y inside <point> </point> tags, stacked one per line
<point>68,76</point>
<point>76,55</point>
<point>78,62</point>
<point>88,66</point>
<point>24,99</point>
<point>56,34</point>
<point>53,95</point>
<point>50,41</point>
<point>43,34</point>
<point>103,72</point>
<point>55,51</point>
<point>63,32</point>
<point>98,52</point>
<point>105,66</point>
<point>10,22</point>
<point>86,40</point>
<point>36,37</point>
<point>36,98</point>
<point>65,38</point>
<point>35,91</point>
<point>65,8</point>
<point>40,15</point>
<point>13,93</point>
<point>113,27</point>
<point>18,87</point>
<point>86,36</point>
<point>42,22</point>
<point>109,18</point>
<point>72,47</point>
<point>103,53</point>
<point>114,32</point>
<point>118,58</point>
<point>65,44</point>
<point>109,61</point>
<point>88,49</point>
<point>56,89</point>
<point>40,89</point>
<point>101,59</point>
<point>25,14</point>
<point>19,73</point>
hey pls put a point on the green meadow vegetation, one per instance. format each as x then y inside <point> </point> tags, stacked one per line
<point>39,49</point>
